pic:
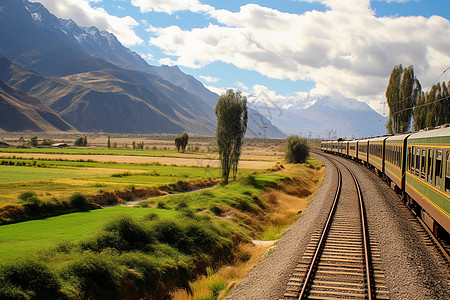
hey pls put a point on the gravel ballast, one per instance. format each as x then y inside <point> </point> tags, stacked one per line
<point>412,269</point>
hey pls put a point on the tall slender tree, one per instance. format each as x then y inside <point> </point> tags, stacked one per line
<point>430,103</point>
<point>232,117</point>
<point>393,99</point>
<point>402,93</point>
<point>420,113</point>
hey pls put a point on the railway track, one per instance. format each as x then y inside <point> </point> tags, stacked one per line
<point>341,260</point>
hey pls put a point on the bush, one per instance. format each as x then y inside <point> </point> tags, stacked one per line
<point>29,198</point>
<point>130,232</point>
<point>27,279</point>
<point>78,201</point>
<point>296,150</point>
<point>95,277</point>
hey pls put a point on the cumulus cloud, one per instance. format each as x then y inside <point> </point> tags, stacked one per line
<point>210,79</point>
<point>84,15</point>
<point>170,6</point>
<point>345,48</point>
<point>241,85</point>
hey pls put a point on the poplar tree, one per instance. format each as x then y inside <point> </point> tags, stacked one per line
<point>431,107</point>
<point>402,93</point>
<point>232,117</point>
<point>393,99</point>
<point>420,113</point>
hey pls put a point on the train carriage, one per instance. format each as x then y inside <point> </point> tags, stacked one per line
<point>353,149</point>
<point>334,147</point>
<point>394,161</point>
<point>344,148</point>
<point>376,153</point>
<point>427,176</point>
<point>323,146</point>
<point>363,153</point>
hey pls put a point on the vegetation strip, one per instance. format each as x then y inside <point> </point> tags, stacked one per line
<point>152,255</point>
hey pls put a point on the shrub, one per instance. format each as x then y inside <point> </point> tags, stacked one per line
<point>151,216</point>
<point>79,201</point>
<point>29,198</point>
<point>296,149</point>
<point>130,232</point>
<point>95,277</point>
<point>27,279</point>
<point>11,212</point>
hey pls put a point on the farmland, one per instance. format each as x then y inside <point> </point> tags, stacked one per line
<point>178,234</point>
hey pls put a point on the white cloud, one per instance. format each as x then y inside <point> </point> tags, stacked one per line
<point>171,6</point>
<point>84,15</point>
<point>337,49</point>
<point>241,85</point>
<point>215,89</point>
<point>210,79</point>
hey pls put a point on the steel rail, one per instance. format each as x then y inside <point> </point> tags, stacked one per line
<point>324,232</point>
<point>365,234</point>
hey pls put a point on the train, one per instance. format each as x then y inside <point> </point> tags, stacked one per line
<point>416,165</point>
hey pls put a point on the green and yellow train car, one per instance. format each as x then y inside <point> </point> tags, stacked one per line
<point>376,153</point>
<point>427,175</point>
<point>353,149</point>
<point>394,161</point>
<point>363,151</point>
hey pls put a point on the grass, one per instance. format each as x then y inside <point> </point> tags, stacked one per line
<point>133,254</point>
<point>60,178</point>
<point>97,151</point>
<point>23,238</point>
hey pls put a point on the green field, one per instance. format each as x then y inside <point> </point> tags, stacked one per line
<point>97,151</point>
<point>26,237</point>
<point>61,178</point>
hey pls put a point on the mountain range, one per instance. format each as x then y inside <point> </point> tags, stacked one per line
<point>88,79</point>
<point>327,117</point>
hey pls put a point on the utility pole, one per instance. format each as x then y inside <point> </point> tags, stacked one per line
<point>383,108</point>
<point>265,126</point>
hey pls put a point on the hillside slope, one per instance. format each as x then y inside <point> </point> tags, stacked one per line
<point>20,111</point>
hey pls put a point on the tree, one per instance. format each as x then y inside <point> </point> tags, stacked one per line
<point>232,117</point>
<point>181,141</point>
<point>178,143</point>
<point>109,142</point>
<point>393,98</point>
<point>402,93</point>
<point>184,140</point>
<point>79,141</point>
<point>34,141</point>
<point>420,113</point>
<point>296,149</point>
<point>85,141</point>
<point>430,103</point>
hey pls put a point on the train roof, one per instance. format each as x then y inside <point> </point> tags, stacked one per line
<point>379,139</point>
<point>443,131</point>
<point>399,137</point>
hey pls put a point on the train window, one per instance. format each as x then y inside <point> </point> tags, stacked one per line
<point>400,151</point>
<point>438,169</point>
<point>447,174</point>
<point>410,158</point>
<point>422,165</point>
<point>430,166</point>
<point>397,160</point>
<point>417,163</point>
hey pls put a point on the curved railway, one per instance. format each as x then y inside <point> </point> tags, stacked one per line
<point>339,260</point>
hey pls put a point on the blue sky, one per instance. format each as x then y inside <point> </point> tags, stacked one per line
<point>288,49</point>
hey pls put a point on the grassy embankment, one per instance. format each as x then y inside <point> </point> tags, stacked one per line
<point>152,254</point>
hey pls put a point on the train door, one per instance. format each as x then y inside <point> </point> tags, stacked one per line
<point>438,169</point>
<point>430,166</point>
<point>447,174</point>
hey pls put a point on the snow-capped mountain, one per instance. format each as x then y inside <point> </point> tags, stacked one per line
<point>324,116</point>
